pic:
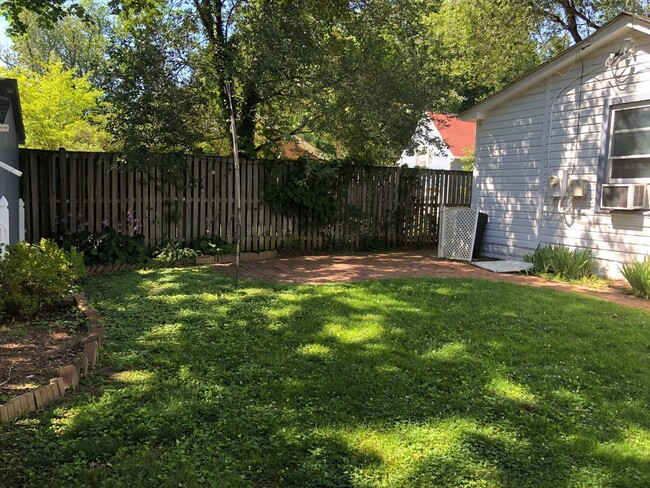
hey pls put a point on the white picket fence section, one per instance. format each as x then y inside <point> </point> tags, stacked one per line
<point>5,230</point>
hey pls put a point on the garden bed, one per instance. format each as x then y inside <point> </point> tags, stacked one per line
<point>32,351</point>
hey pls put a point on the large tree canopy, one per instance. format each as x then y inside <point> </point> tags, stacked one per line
<point>159,99</point>
<point>579,18</point>
<point>481,45</point>
<point>352,78</point>
<point>48,12</point>
<point>346,75</point>
<point>79,43</point>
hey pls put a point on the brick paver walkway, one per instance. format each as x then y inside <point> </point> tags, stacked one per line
<point>365,266</point>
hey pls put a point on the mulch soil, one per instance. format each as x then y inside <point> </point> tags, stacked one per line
<point>32,351</point>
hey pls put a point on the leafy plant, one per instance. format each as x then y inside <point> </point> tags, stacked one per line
<point>108,247</point>
<point>563,262</point>
<point>373,243</point>
<point>34,276</point>
<point>637,274</point>
<point>312,191</point>
<point>212,246</point>
<point>56,93</point>
<point>175,253</point>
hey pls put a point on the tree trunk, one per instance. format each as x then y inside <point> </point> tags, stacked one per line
<point>248,120</point>
<point>572,21</point>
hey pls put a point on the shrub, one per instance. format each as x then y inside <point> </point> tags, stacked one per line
<point>174,253</point>
<point>212,246</point>
<point>373,244</point>
<point>637,274</point>
<point>563,262</point>
<point>108,247</point>
<point>34,276</point>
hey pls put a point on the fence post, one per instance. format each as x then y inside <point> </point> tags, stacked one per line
<point>21,220</point>
<point>4,224</point>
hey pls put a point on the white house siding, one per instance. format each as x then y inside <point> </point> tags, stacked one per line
<point>517,141</point>
<point>507,162</point>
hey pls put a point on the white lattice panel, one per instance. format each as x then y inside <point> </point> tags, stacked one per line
<point>457,233</point>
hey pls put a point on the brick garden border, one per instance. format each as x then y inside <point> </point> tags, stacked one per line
<point>68,375</point>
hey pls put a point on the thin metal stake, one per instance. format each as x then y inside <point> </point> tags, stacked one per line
<point>235,152</point>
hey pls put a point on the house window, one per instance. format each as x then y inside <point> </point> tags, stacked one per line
<point>629,144</point>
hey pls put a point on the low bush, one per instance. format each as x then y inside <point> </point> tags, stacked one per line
<point>563,262</point>
<point>34,276</point>
<point>108,247</point>
<point>175,253</point>
<point>212,246</point>
<point>637,274</point>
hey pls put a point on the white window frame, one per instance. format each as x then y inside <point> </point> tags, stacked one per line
<point>610,139</point>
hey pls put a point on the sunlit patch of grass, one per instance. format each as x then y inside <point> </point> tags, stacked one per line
<point>365,330</point>
<point>633,445</point>
<point>447,352</point>
<point>436,451</point>
<point>132,376</point>
<point>315,350</point>
<point>166,331</point>
<point>512,391</point>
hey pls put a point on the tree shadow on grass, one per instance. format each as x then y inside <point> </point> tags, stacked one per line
<point>397,383</point>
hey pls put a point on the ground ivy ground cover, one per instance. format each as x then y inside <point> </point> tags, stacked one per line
<point>389,383</point>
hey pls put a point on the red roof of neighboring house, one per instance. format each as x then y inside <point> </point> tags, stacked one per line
<point>458,134</point>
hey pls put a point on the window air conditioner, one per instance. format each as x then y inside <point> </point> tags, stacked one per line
<point>624,197</point>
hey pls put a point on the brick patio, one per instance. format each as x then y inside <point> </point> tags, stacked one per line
<point>322,269</point>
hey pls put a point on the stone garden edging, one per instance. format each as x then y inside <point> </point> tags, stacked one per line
<point>68,375</point>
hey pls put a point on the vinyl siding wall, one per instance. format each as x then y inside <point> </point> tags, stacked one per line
<point>557,125</point>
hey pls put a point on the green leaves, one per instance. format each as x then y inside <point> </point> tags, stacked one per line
<point>312,191</point>
<point>79,42</point>
<point>561,261</point>
<point>637,274</point>
<point>480,46</point>
<point>35,275</point>
<point>161,99</point>
<point>48,12</point>
<point>174,253</point>
<point>60,109</point>
<point>108,247</point>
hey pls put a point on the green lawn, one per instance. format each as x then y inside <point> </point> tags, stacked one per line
<point>428,382</point>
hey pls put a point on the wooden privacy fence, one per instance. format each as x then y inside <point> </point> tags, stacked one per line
<point>65,192</point>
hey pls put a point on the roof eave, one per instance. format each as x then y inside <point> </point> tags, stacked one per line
<point>602,36</point>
